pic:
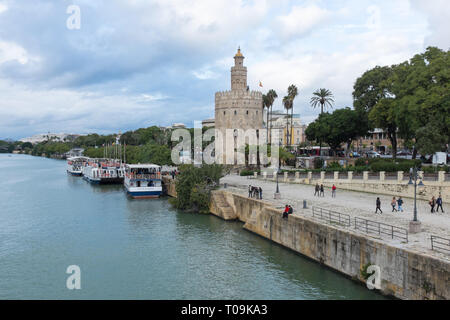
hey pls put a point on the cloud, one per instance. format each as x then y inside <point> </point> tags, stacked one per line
<point>139,62</point>
<point>302,20</point>
<point>3,7</point>
<point>438,18</point>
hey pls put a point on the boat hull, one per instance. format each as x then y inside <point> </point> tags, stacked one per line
<point>144,194</point>
<point>72,173</point>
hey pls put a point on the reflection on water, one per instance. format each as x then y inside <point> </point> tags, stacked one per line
<point>138,249</point>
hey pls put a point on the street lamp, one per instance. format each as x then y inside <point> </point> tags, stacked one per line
<point>277,194</point>
<point>414,225</point>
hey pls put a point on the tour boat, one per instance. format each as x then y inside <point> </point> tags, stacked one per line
<point>143,180</point>
<point>75,165</point>
<point>103,171</point>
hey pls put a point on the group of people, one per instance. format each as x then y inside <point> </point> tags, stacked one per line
<point>433,202</point>
<point>319,191</point>
<point>287,211</point>
<point>254,192</point>
<point>397,204</point>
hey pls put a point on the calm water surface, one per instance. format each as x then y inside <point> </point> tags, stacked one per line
<point>137,249</point>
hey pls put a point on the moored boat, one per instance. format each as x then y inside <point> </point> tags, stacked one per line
<point>75,165</point>
<point>103,171</point>
<point>143,180</point>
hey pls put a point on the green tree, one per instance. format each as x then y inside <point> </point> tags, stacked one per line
<point>322,97</point>
<point>272,95</point>
<point>292,93</point>
<point>341,126</point>
<point>430,139</point>
<point>194,185</point>
<point>287,103</point>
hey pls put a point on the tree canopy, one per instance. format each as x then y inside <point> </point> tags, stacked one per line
<point>408,99</point>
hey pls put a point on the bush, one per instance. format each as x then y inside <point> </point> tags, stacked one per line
<point>334,165</point>
<point>193,186</point>
<point>247,172</point>
<point>318,163</point>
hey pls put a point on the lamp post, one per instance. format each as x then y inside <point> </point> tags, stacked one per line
<point>414,225</point>
<point>277,194</point>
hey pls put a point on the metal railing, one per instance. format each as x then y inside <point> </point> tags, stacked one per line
<point>331,216</point>
<point>374,227</point>
<point>439,243</point>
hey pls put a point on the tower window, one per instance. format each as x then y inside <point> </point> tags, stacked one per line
<point>235,112</point>
<point>247,111</point>
<point>224,112</point>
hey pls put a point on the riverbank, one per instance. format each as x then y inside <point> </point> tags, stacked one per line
<point>408,271</point>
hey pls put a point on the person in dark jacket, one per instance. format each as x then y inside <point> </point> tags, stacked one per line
<point>378,203</point>
<point>317,189</point>
<point>400,204</point>
<point>439,203</point>
<point>322,191</point>
<point>260,193</point>
<point>290,210</point>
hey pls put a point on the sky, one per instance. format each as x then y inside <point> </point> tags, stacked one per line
<point>137,63</point>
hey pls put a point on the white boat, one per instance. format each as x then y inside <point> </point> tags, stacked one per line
<point>103,171</point>
<point>75,165</point>
<point>143,180</point>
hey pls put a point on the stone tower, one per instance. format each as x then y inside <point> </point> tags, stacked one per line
<point>238,108</point>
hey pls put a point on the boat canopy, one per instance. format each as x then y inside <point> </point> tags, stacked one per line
<point>78,158</point>
<point>143,166</point>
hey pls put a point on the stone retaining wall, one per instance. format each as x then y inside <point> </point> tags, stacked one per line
<point>404,274</point>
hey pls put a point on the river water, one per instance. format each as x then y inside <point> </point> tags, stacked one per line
<point>137,249</point>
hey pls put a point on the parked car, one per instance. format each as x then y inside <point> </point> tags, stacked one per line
<point>373,154</point>
<point>354,154</point>
<point>404,153</point>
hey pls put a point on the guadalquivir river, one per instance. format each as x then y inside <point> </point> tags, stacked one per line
<point>137,249</point>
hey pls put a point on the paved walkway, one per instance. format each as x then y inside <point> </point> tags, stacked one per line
<point>356,204</point>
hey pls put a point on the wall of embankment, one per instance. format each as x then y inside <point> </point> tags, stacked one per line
<point>404,274</point>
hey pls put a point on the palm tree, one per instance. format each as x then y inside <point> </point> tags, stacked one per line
<point>266,104</point>
<point>287,103</point>
<point>292,93</point>
<point>322,96</point>
<point>272,96</point>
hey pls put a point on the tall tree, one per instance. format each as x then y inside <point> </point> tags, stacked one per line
<point>287,103</point>
<point>372,99</point>
<point>266,105</point>
<point>272,94</point>
<point>292,93</point>
<point>322,97</point>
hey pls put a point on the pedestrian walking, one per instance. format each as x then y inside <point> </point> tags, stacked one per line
<point>400,204</point>
<point>260,193</point>
<point>439,203</point>
<point>322,191</point>
<point>432,203</point>
<point>393,204</point>
<point>250,191</point>
<point>317,189</point>
<point>333,191</point>
<point>378,203</point>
